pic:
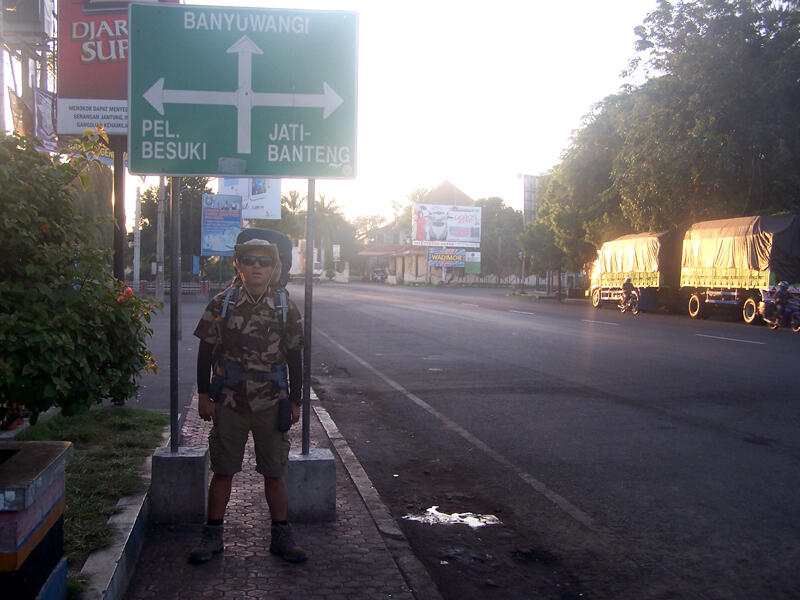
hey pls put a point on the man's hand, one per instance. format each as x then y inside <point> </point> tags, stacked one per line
<point>295,413</point>
<point>206,408</point>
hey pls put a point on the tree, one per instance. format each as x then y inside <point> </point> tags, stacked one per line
<point>330,227</point>
<point>292,221</point>
<point>70,334</point>
<point>95,201</point>
<point>402,211</point>
<point>578,202</point>
<point>402,221</point>
<point>501,226</point>
<point>366,223</point>
<point>293,201</point>
<point>538,243</point>
<point>717,132</point>
<point>713,132</point>
<point>192,190</point>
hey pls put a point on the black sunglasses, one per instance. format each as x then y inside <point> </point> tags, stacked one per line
<point>249,260</point>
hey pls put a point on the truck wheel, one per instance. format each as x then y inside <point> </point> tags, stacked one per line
<point>750,312</point>
<point>697,308</point>
<point>596,298</point>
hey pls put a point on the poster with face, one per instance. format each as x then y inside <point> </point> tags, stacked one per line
<point>446,225</point>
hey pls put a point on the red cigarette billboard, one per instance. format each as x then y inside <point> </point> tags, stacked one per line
<point>93,65</point>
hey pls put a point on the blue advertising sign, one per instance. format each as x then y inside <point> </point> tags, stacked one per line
<point>446,257</point>
<point>222,222</point>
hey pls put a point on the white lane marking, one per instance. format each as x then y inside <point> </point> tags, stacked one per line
<point>537,485</point>
<point>601,322</point>
<point>522,312</point>
<point>716,337</point>
<point>468,304</point>
<point>445,313</point>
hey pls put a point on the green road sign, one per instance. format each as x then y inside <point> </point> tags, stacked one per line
<point>242,92</point>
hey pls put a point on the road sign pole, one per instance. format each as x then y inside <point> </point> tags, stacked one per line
<point>307,314</point>
<point>174,308</point>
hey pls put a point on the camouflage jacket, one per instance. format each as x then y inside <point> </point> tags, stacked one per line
<point>252,339</point>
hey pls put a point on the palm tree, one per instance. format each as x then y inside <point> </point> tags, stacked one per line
<point>293,202</point>
<point>327,219</point>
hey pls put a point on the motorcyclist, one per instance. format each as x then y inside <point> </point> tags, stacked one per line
<point>627,290</point>
<point>781,297</point>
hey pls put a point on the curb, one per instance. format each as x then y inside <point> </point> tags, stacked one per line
<point>412,570</point>
<point>109,571</point>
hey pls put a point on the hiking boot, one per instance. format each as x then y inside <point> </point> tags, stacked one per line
<point>283,544</point>
<point>209,545</point>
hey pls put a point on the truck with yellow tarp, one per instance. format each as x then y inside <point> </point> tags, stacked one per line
<point>651,260</point>
<point>727,263</point>
<point>738,262</point>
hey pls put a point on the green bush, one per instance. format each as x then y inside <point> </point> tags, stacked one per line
<point>70,334</point>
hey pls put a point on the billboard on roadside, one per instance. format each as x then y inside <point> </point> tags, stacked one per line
<point>93,65</point>
<point>261,196</point>
<point>446,257</point>
<point>439,225</point>
<point>221,223</point>
<point>472,264</point>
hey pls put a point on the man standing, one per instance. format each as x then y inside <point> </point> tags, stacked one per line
<point>251,334</point>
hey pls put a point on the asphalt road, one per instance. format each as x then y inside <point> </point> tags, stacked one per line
<point>154,393</point>
<point>626,457</point>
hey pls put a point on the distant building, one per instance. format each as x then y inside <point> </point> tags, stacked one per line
<point>447,193</point>
<point>530,195</point>
<point>390,248</point>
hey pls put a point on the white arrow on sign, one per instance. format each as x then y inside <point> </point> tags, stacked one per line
<point>244,98</point>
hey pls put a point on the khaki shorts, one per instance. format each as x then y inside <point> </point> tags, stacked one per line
<point>227,440</point>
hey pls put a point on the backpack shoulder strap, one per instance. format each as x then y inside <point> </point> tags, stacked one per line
<point>228,301</point>
<point>282,304</point>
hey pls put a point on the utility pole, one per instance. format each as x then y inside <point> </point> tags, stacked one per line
<point>499,257</point>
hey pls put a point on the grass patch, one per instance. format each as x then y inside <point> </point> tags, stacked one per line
<point>110,445</point>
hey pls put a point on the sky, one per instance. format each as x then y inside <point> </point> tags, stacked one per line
<point>476,93</point>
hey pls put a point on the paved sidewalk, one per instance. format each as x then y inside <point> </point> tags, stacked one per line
<point>349,558</point>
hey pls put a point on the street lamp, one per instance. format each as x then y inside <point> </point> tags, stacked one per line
<point>522,283</point>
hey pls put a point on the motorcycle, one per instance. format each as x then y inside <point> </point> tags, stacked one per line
<point>379,275</point>
<point>632,303</point>
<point>790,317</point>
